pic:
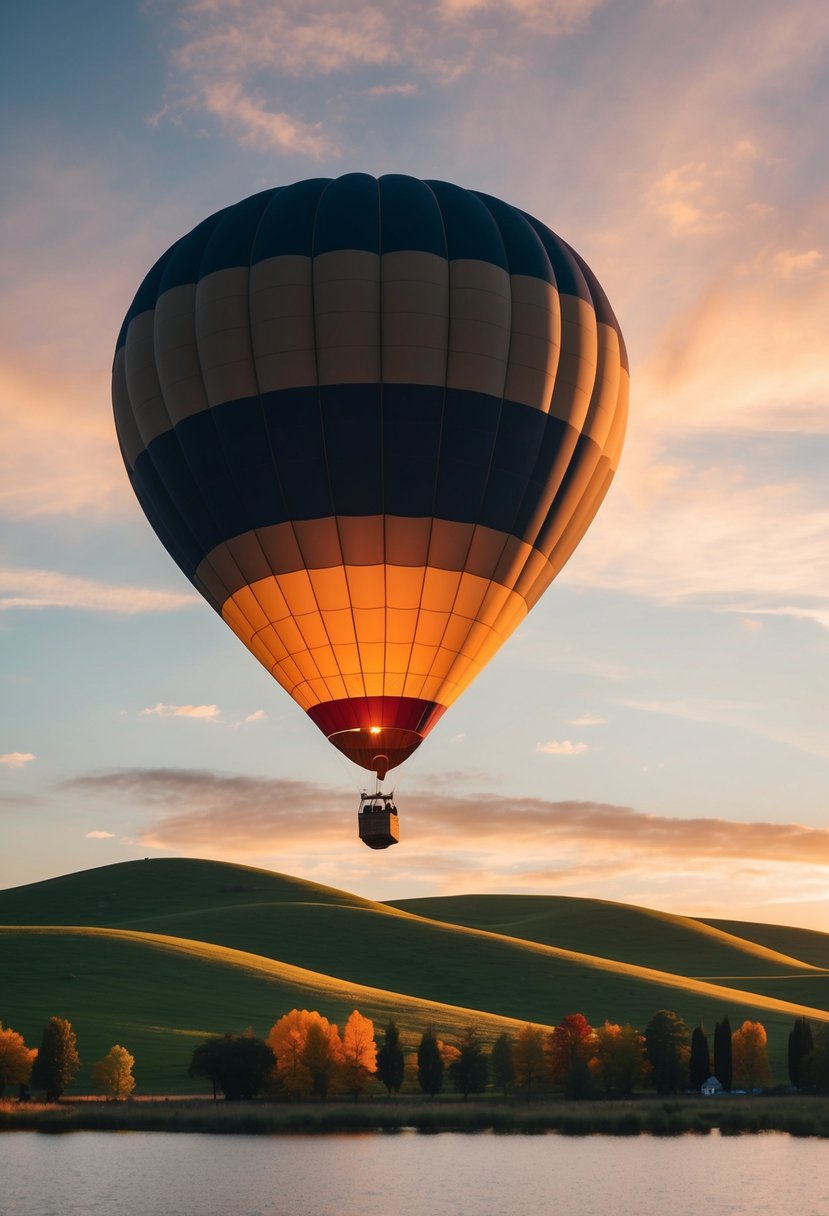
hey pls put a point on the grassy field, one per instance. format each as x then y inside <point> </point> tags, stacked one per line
<point>158,954</point>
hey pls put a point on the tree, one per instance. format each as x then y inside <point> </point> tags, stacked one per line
<point>620,1062</point>
<point>800,1044</point>
<point>429,1064</point>
<point>568,1049</point>
<point>501,1063</point>
<point>469,1073</point>
<point>815,1065</point>
<point>16,1059</point>
<point>57,1060</point>
<point>238,1065</point>
<point>699,1066</point>
<point>323,1055</point>
<point>287,1039</point>
<point>528,1057</point>
<point>667,1049</point>
<point>390,1059</point>
<point>113,1074</point>
<point>750,1057</point>
<point>723,1065</point>
<point>359,1054</point>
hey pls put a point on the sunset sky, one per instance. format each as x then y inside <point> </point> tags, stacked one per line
<point>657,731</point>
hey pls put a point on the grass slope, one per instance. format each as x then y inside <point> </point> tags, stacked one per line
<point>526,958</point>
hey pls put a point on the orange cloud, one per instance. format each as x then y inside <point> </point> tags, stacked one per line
<point>17,759</point>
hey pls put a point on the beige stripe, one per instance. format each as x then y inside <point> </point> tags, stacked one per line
<point>347,316</point>
<point>143,388</point>
<point>282,323</point>
<point>176,353</point>
<point>222,324</point>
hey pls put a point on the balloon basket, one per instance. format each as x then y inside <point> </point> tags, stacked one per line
<point>378,824</point>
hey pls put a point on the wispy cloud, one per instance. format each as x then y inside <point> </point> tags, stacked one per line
<point>100,835</point>
<point>258,715</point>
<point>16,759</point>
<point>588,719</point>
<point>20,588</point>
<point>205,712</point>
<point>561,747</point>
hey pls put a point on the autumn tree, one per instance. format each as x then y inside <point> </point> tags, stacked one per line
<point>390,1059</point>
<point>501,1063</point>
<point>568,1049</point>
<point>750,1056</point>
<point>16,1059</point>
<point>699,1065</point>
<point>359,1054</point>
<point>620,1060</point>
<point>429,1064</point>
<point>667,1049</point>
<point>800,1044</point>
<point>57,1060</point>
<point>322,1055</point>
<point>287,1039</point>
<point>113,1073</point>
<point>723,1062</point>
<point>469,1073</point>
<point>238,1065</point>
<point>528,1057</point>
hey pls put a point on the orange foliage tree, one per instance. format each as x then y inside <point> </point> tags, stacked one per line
<point>749,1053</point>
<point>359,1054</point>
<point>287,1039</point>
<point>16,1059</point>
<point>569,1045</point>
<point>620,1062</point>
<point>323,1056</point>
<point>528,1057</point>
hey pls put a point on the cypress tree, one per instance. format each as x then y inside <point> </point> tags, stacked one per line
<point>722,1053</point>
<point>429,1065</point>
<point>800,1044</point>
<point>666,1046</point>
<point>699,1068</point>
<point>57,1060</point>
<point>470,1072</point>
<point>501,1062</point>
<point>390,1062</point>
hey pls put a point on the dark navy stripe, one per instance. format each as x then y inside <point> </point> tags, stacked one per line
<point>231,240</point>
<point>348,215</point>
<point>183,266</point>
<point>471,232</point>
<point>570,280</point>
<point>146,295</point>
<point>525,252</point>
<point>474,460</point>
<point>287,225</point>
<point>410,218</point>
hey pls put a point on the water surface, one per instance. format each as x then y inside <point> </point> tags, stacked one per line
<point>157,1174</point>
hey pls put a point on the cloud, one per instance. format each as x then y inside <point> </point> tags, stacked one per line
<point>17,759</point>
<point>258,715</point>
<point>386,90</point>
<point>20,588</point>
<point>199,808</point>
<point>588,719</point>
<point>204,712</point>
<point>564,747</point>
<point>255,126</point>
<point>100,835</point>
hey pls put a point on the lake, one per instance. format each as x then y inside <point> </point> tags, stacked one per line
<point>156,1174</point>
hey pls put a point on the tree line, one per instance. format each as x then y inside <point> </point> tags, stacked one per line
<point>304,1055</point>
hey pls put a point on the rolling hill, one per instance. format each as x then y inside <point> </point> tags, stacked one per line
<point>157,954</point>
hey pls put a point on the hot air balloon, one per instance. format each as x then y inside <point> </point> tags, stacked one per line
<point>371,419</point>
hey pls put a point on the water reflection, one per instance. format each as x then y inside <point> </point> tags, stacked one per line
<point>144,1174</point>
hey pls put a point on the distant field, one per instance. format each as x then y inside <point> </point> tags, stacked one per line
<point>158,954</point>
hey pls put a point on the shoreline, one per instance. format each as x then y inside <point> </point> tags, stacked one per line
<point>796,1114</point>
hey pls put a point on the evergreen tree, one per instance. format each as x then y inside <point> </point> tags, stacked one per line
<point>57,1060</point>
<point>699,1067</point>
<point>723,1066</point>
<point>390,1061</point>
<point>469,1073</point>
<point>666,1046</point>
<point>800,1044</point>
<point>502,1063</point>
<point>429,1064</point>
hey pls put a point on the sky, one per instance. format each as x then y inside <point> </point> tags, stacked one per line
<point>657,730</point>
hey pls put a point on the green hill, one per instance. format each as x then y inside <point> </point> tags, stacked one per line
<point>165,951</point>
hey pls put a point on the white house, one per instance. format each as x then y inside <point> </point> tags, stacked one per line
<point>711,1086</point>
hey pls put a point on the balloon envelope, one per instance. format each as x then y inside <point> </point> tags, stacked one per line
<point>370,419</point>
